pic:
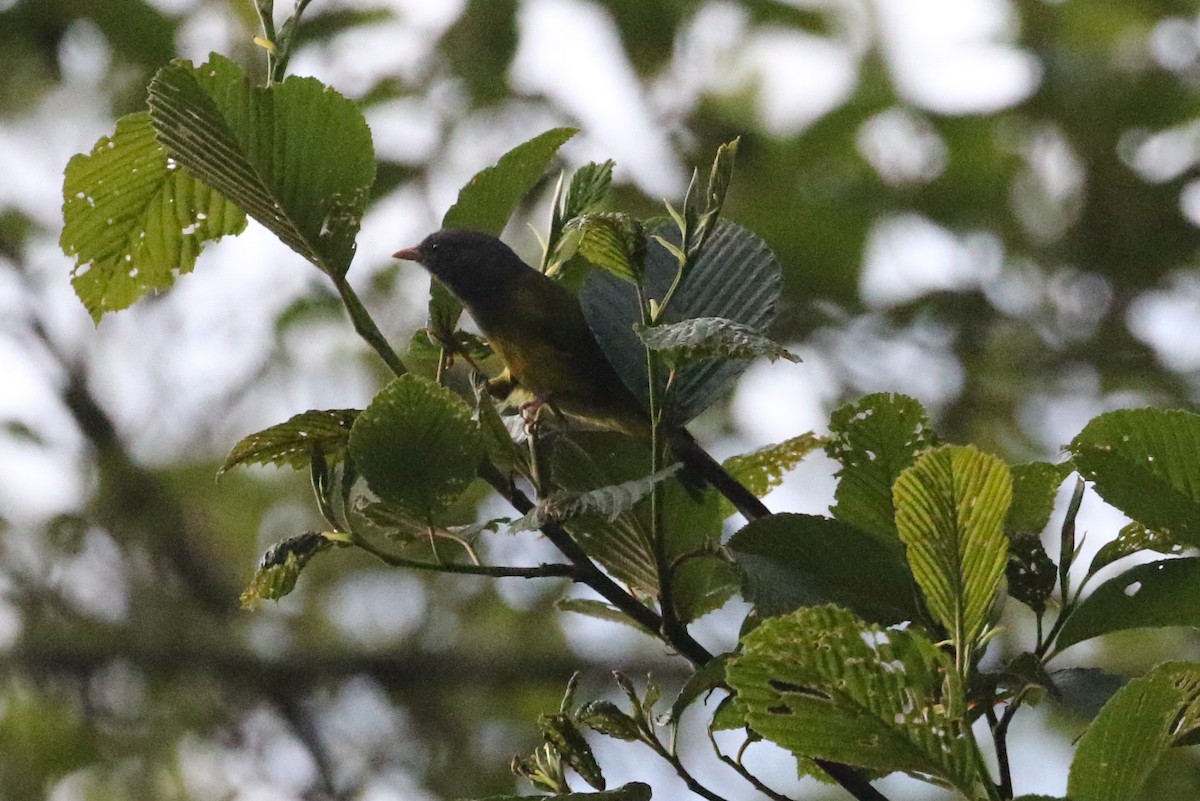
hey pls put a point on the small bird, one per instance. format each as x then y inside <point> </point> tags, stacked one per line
<point>537,328</point>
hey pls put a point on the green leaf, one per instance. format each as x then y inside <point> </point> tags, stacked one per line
<point>280,567</point>
<point>598,459</point>
<point>1165,593</point>
<point>560,732</point>
<point>736,277</point>
<point>1131,539</point>
<point>486,202</point>
<point>296,156</point>
<point>294,442</point>
<point>416,445</point>
<point>598,610</point>
<point>708,211</point>
<point>950,510</point>
<point>824,684</point>
<point>710,338</point>
<point>1035,486</point>
<point>607,718</point>
<point>589,186</point>
<point>708,677</point>
<point>133,220</point>
<point>1031,573</point>
<point>607,502</point>
<point>875,438</point>
<point>1143,461</point>
<point>791,561</point>
<point>702,584</point>
<point>634,791</point>
<point>610,241</point>
<point>762,470</point>
<point>1123,744</point>
<point>488,199</point>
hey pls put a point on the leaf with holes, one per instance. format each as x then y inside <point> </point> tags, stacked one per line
<point>294,442</point>
<point>823,684</point>
<point>1143,461</point>
<point>710,338</point>
<point>762,470</point>
<point>874,438</point>
<point>133,220</point>
<point>1135,728</point>
<point>416,445</point>
<point>950,510</point>
<point>1164,593</point>
<point>1133,538</point>
<point>296,156</point>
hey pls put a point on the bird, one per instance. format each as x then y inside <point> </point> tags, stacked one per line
<point>537,328</point>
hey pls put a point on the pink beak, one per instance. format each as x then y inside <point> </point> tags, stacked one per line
<point>407,254</point>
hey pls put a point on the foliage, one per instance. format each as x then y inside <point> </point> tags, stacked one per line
<point>863,653</point>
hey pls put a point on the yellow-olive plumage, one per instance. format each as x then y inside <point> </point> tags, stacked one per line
<point>537,328</point>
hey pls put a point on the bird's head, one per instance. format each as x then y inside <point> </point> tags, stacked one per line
<point>471,264</point>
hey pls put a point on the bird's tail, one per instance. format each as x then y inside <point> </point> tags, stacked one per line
<point>699,465</point>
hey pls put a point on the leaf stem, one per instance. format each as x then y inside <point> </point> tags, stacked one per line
<point>550,570</point>
<point>366,328</point>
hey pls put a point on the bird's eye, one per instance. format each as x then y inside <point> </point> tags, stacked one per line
<point>433,246</point>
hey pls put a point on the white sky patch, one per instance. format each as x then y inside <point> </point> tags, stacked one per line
<point>908,255</point>
<point>571,51</point>
<point>800,77</point>
<point>955,56</point>
<point>1167,320</point>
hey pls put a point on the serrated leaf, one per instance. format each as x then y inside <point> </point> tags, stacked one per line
<point>416,445</point>
<point>790,561</point>
<point>612,242</point>
<point>1131,539</point>
<point>875,438</point>
<point>487,201</point>
<point>762,470</point>
<point>294,442</point>
<point>710,338</point>
<point>1164,593</point>
<point>607,502</point>
<point>736,277</point>
<point>296,156</point>
<point>950,510</point>
<point>280,567</point>
<point>1123,744</point>
<point>1035,486</point>
<point>133,221</point>
<point>589,186</point>
<point>1143,462</point>
<point>823,684</point>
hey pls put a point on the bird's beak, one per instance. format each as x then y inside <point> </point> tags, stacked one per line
<point>407,254</point>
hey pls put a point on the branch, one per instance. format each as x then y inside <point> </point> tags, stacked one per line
<point>555,570</point>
